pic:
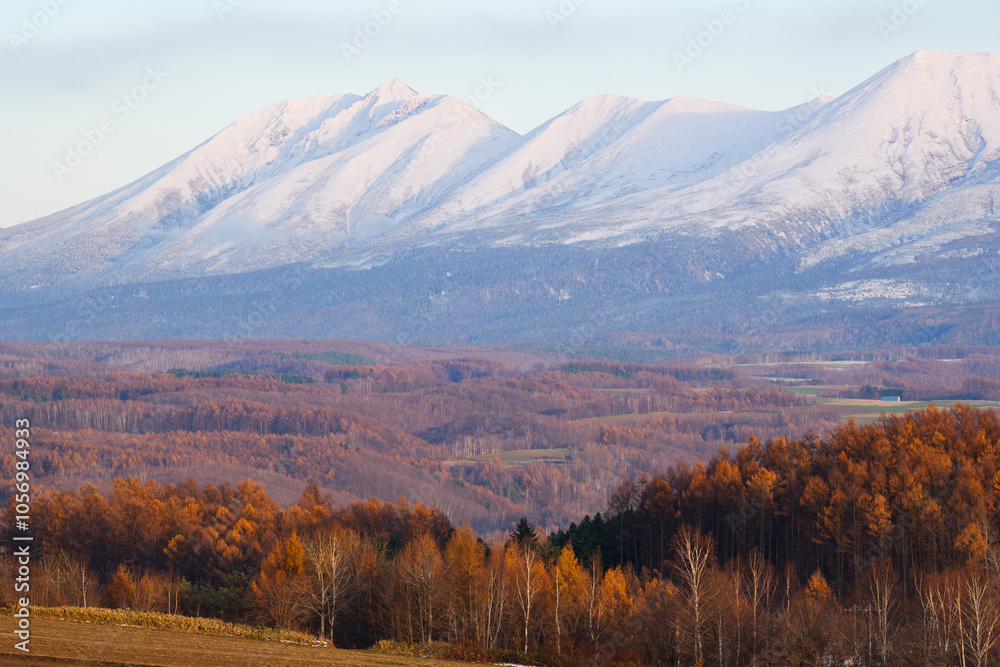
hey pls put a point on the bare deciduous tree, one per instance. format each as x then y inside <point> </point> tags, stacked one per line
<point>758,583</point>
<point>524,563</point>
<point>491,609</point>
<point>76,583</point>
<point>981,619</point>
<point>422,570</point>
<point>938,594</point>
<point>692,554</point>
<point>881,609</point>
<point>331,566</point>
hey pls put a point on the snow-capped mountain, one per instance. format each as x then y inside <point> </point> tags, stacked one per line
<point>902,171</point>
<point>280,185</point>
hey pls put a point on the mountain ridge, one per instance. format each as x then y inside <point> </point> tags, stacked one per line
<point>896,180</point>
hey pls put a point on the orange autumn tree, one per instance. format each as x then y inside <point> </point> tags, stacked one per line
<point>422,577</point>
<point>569,593</point>
<point>817,589</point>
<point>121,588</point>
<point>465,567</point>
<point>616,604</point>
<point>280,590</point>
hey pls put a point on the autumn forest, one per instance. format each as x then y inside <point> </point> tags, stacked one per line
<point>515,505</point>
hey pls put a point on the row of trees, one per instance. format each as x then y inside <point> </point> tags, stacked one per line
<point>872,544</point>
<point>529,596</point>
<point>920,490</point>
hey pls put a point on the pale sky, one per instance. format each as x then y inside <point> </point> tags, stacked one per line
<point>65,65</point>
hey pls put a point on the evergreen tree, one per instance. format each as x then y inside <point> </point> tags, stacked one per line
<point>524,533</point>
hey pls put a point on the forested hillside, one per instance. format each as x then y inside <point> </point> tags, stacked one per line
<point>875,544</point>
<point>486,436</point>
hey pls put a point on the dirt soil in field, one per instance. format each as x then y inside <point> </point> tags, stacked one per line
<point>56,642</point>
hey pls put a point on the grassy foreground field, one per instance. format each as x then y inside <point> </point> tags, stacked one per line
<point>55,642</point>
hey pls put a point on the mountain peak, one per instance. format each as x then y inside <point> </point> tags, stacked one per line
<point>938,63</point>
<point>931,56</point>
<point>393,90</point>
<point>930,80</point>
<point>337,181</point>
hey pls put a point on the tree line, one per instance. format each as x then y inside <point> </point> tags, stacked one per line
<point>876,544</point>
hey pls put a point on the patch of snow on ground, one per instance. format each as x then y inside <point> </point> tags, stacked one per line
<point>862,290</point>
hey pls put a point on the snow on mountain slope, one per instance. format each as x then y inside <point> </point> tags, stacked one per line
<point>280,185</point>
<point>965,214</point>
<point>633,178</point>
<point>560,144</point>
<point>606,148</point>
<point>896,169</point>
<point>348,196</point>
<point>101,235</point>
<point>927,124</point>
<point>924,127</point>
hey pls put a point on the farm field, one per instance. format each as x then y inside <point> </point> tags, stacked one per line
<point>725,415</point>
<point>55,642</point>
<point>863,410</point>
<point>519,457</point>
<point>811,390</point>
<point>841,409</point>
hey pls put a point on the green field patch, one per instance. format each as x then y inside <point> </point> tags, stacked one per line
<point>623,391</point>
<point>618,419</point>
<point>807,391</point>
<point>588,368</point>
<point>222,373</point>
<point>519,457</point>
<point>332,358</point>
